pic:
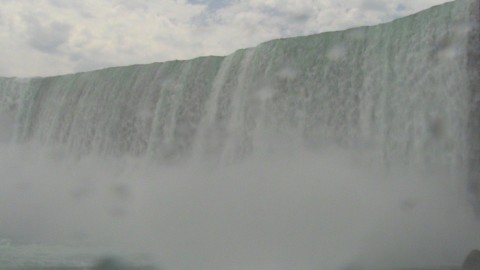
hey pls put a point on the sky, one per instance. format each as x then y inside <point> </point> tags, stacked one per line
<point>51,37</point>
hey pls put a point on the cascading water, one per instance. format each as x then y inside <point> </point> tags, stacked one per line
<point>393,86</point>
<point>307,152</point>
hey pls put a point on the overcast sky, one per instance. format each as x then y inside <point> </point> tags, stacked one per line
<point>49,37</point>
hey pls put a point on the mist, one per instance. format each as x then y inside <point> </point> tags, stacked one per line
<point>305,210</point>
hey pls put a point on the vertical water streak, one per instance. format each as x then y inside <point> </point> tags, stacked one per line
<point>210,138</point>
<point>473,66</point>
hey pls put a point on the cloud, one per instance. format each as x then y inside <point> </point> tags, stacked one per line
<point>71,4</point>
<point>82,34</point>
<point>374,5</point>
<point>212,5</point>
<point>47,38</point>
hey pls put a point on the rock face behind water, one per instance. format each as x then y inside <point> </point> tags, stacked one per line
<point>472,261</point>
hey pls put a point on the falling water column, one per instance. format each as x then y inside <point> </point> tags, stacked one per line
<point>473,132</point>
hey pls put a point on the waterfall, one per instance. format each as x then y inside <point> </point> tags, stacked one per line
<point>401,88</point>
<point>400,96</point>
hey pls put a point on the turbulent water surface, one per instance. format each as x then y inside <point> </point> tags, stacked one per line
<point>347,149</point>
